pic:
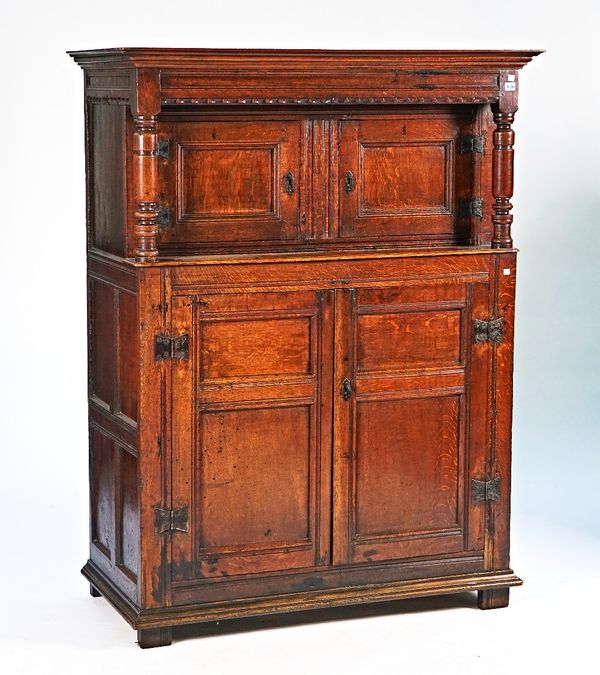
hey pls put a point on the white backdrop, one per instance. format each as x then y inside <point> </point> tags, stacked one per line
<point>51,624</point>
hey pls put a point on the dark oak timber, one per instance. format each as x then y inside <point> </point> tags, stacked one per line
<point>493,598</point>
<point>301,281</point>
<point>154,637</point>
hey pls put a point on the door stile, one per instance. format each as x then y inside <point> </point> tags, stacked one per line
<point>183,427</point>
<point>478,421</point>
<point>325,426</point>
<point>343,424</point>
<point>165,441</point>
<point>151,579</point>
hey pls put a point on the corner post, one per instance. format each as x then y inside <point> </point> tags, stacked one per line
<point>154,637</point>
<point>145,107</point>
<point>503,160</point>
<point>493,598</point>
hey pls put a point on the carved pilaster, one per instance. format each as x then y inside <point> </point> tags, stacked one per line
<point>146,174</point>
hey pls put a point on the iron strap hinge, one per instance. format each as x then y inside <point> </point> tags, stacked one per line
<point>471,208</point>
<point>167,520</point>
<point>472,144</point>
<point>488,331</point>
<point>163,216</point>
<point>486,490</point>
<point>168,347</point>
<point>163,149</point>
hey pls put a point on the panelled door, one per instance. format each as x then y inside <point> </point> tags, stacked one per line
<point>404,177</point>
<point>328,427</point>
<point>252,433</point>
<point>225,181</point>
<point>410,420</point>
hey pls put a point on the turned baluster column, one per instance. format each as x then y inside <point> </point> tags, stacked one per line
<point>145,168</point>
<point>145,171</point>
<point>502,179</point>
<point>145,108</point>
<point>503,161</point>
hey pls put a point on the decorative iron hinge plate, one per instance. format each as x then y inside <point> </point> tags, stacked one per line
<point>163,149</point>
<point>167,347</point>
<point>486,490</point>
<point>166,520</point>
<point>471,208</point>
<point>163,216</point>
<point>488,331</point>
<point>472,144</point>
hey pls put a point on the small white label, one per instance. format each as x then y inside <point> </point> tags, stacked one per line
<point>506,271</point>
<point>510,86</point>
<point>510,78</point>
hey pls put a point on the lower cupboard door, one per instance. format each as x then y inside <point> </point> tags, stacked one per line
<point>411,421</point>
<point>251,433</point>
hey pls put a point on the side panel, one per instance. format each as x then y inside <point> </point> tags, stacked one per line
<point>106,184</point>
<point>114,374</point>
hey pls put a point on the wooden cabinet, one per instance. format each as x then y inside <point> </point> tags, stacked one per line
<point>301,304</point>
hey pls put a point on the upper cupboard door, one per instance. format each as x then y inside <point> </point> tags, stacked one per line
<point>230,181</point>
<point>403,178</point>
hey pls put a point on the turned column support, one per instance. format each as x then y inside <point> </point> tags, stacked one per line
<point>502,179</point>
<point>503,160</point>
<point>145,163</point>
<point>145,108</point>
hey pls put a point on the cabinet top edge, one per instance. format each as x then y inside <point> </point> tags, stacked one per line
<point>142,57</point>
<point>298,257</point>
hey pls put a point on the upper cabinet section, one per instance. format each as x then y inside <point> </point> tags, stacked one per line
<point>276,149</point>
<point>401,178</point>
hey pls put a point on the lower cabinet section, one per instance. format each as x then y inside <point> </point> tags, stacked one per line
<point>388,378</point>
<point>327,436</point>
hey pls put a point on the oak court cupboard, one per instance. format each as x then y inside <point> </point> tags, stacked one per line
<point>301,285</point>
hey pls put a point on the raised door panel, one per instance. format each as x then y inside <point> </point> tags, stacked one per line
<point>406,443</point>
<point>252,455</point>
<point>397,462</point>
<point>403,177</point>
<point>230,181</point>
